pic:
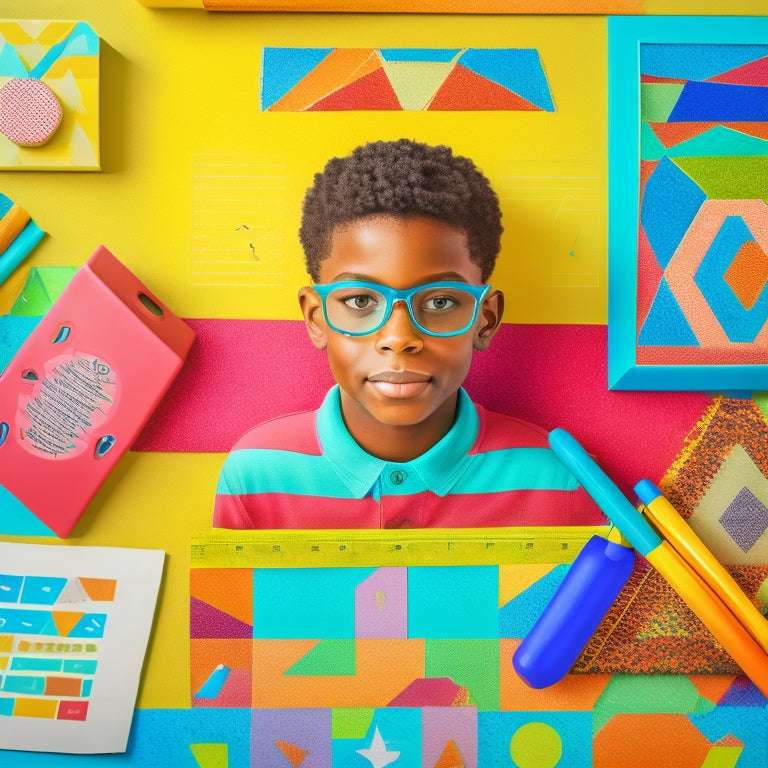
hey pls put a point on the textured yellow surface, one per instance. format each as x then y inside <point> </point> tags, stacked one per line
<point>189,158</point>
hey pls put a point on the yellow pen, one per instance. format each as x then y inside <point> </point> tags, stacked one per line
<point>699,597</point>
<point>692,549</point>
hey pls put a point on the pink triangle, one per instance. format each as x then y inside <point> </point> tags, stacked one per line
<point>208,622</point>
<point>754,73</point>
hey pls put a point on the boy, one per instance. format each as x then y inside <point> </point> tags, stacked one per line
<point>400,239</point>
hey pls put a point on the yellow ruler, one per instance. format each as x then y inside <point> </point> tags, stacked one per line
<point>424,546</point>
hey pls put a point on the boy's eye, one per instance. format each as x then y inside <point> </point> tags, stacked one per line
<point>360,301</point>
<point>439,303</point>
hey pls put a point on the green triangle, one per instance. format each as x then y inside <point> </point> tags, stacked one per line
<point>657,100</point>
<point>416,82</point>
<point>210,755</point>
<point>328,657</point>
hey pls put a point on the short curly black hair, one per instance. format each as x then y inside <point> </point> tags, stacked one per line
<point>401,178</point>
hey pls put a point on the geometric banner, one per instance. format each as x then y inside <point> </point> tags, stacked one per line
<point>403,79</point>
<point>703,261</point>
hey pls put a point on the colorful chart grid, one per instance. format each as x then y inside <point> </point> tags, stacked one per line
<point>49,646</point>
<point>64,56</point>
<point>411,666</point>
<point>412,79</point>
<point>701,240</point>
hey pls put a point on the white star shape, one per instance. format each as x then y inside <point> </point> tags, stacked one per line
<point>378,754</point>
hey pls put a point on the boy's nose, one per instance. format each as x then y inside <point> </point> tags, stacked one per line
<point>399,334</point>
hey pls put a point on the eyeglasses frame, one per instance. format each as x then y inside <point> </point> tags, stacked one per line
<point>393,295</point>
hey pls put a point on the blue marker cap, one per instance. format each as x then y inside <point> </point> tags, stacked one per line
<point>605,492</point>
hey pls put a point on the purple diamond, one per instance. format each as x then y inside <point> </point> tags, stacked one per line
<point>745,519</point>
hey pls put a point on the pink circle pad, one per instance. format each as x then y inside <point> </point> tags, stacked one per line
<point>30,113</point>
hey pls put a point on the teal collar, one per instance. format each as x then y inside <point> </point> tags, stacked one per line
<point>439,468</point>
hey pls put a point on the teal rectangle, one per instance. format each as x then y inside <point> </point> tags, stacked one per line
<point>453,602</point>
<point>27,685</point>
<point>80,666</point>
<point>35,664</point>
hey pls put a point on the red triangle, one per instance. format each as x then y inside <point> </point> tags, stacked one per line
<point>754,73</point>
<point>464,90</point>
<point>657,79</point>
<point>649,274</point>
<point>294,754</point>
<point>372,92</point>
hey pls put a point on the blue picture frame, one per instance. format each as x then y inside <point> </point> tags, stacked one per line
<point>626,34</point>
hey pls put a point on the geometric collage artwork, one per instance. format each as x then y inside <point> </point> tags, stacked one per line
<point>49,95</point>
<point>50,647</point>
<point>702,293</point>
<point>397,79</point>
<point>410,666</point>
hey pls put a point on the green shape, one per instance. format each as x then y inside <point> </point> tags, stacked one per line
<point>703,706</point>
<point>644,694</point>
<point>762,593</point>
<point>351,722</point>
<point>728,178</point>
<point>536,744</point>
<point>471,663</point>
<point>720,142</point>
<point>210,755</point>
<point>43,286</point>
<point>722,757</point>
<point>650,146</point>
<point>328,657</point>
<point>761,400</point>
<point>657,100</point>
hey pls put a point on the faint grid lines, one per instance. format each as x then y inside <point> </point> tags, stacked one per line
<point>558,203</point>
<point>238,212</point>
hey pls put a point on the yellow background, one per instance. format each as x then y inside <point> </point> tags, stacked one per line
<point>180,98</point>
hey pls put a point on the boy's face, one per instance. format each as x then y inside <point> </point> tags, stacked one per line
<point>399,377</point>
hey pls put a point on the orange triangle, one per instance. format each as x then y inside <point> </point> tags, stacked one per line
<point>99,589</point>
<point>294,754</point>
<point>66,621</point>
<point>670,134</point>
<point>451,757</point>
<point>463,90</point>
<point>228,589</point>
<point>339,68</point>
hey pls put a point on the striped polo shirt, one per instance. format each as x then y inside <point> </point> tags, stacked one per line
<point>305,471</point>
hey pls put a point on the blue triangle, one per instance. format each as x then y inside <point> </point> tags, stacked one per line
<point>283,68</point>
<point>666,324</point>
<point>517,69</point>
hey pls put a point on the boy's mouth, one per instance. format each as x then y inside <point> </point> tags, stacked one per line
<point>400,384</point>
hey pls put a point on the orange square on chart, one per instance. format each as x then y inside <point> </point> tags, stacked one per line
<point>63,686</point>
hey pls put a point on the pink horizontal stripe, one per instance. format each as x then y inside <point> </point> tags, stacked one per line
<point>506,508</point>
<point>242,372</point>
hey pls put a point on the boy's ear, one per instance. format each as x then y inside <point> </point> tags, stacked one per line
<point>491,311</point>
<point>312,309</point>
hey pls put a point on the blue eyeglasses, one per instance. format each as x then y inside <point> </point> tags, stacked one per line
<point>357,308</point>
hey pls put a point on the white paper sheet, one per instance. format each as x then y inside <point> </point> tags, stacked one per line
<point>74,627</point>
